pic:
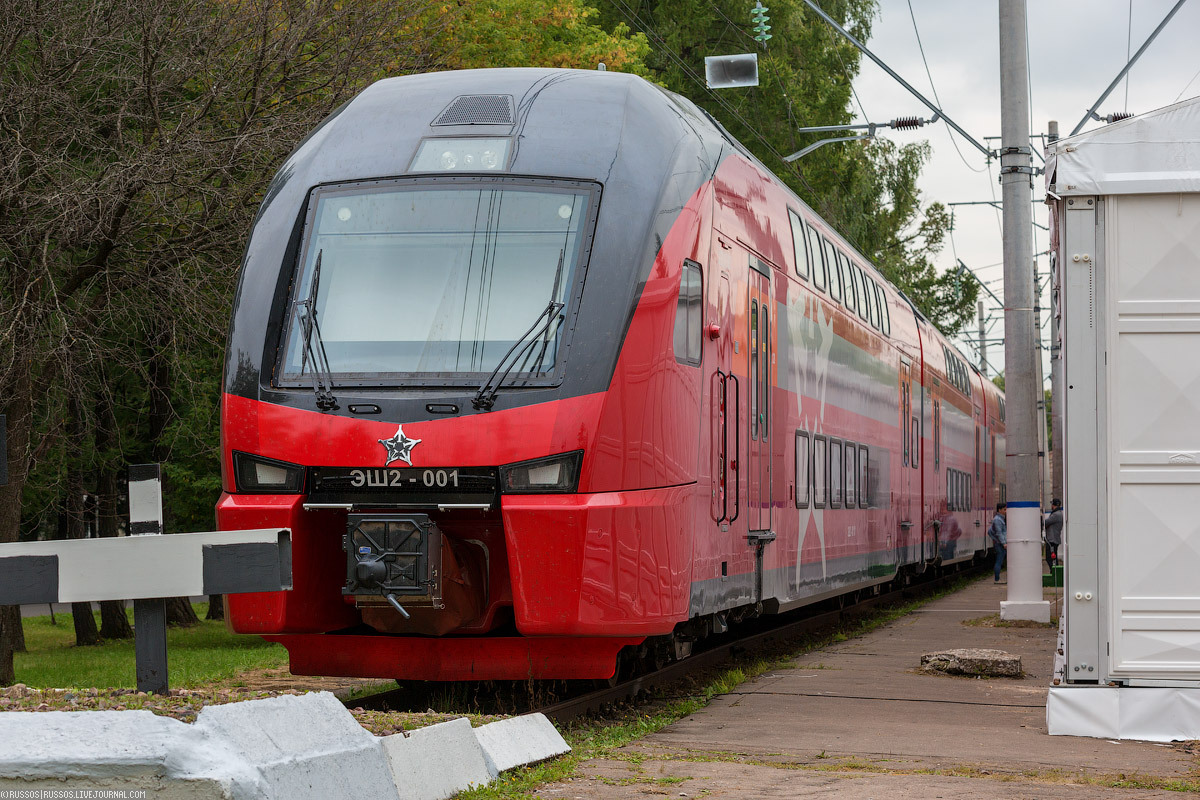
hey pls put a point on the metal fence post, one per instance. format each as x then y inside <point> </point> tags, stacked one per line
<point>149,616</point>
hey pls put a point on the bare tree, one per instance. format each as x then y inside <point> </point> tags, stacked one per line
<point>135,141</point>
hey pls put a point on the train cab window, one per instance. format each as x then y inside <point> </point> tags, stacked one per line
<point>754,369</point>
<point>688,315</point>
<point>436,284</point>
<point>835,279</point>
<point>803,460</point>
<point>835,474</point>
<point>850,286</point>
<point>864,460</point>
<point>818,258</point>
<point>851,457</point>
<point>819,471</point>
<point>800,246</point>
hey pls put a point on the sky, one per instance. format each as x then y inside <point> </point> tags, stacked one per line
<point>1076,48</point>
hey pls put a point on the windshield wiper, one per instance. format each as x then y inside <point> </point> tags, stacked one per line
<point>485,399</point>
<point>306,311</point>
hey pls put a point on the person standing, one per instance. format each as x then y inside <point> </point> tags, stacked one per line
<point>1054,526</point>
<point>998,530</point>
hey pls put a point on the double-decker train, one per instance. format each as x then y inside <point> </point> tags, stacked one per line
<point>545,371</point>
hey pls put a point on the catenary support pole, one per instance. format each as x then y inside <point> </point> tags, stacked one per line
<point>1020,350</point>
<point>149,616</point>
<point>1056,393</point>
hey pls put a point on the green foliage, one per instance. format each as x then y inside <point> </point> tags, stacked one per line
<point>199,655</point>
<point>538,33</point>
<point>866,190</point>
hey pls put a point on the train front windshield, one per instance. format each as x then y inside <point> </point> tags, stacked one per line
<point>433,284</point>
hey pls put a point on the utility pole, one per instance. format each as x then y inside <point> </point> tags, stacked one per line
<point>982,341</point>
<point>1056,392</point>
<point>1020,348</point>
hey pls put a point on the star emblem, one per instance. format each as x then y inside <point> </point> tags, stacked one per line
<point>399,447</point>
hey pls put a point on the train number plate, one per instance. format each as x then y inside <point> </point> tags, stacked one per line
<point>403,480</point>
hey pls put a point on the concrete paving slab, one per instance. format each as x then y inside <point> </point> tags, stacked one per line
<point>437,762</point>
<point>122,751</point>
<point>865,701</point>
<point>515,741</point>
<point>304,746</point>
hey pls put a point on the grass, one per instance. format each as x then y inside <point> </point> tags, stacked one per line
<point>201,655</point>
<point>994,621</point>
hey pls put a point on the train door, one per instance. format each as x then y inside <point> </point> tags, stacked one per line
<point>908,484</point>
<point>758,468</point>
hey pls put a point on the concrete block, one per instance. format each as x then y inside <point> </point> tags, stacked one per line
<point>520,740</point>
<point>119,750</point>
<point>437,762</point>
<point>306,746</point>
<point>973,661</point>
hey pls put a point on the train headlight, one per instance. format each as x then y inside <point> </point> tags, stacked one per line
<point>467,154</point>
<point>554,475</point>
<point>257,475</point>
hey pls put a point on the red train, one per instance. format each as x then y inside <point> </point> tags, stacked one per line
<point>540,366</point>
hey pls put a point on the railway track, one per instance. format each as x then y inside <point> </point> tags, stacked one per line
<point>755,637</point>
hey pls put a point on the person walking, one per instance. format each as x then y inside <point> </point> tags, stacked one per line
<point>998,530</point>
<point>1054,526</point>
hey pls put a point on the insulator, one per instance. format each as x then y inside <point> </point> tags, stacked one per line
<point>907,122</point>
<point>1117,116</point>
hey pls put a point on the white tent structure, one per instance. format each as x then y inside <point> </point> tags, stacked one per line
<point>1125,239</point>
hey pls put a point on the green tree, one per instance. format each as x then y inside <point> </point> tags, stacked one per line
<point>866,190</point>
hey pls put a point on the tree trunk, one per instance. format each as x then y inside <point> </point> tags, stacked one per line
<point>114,624</point>
<point>216,607</point>
<point>179,609</point>
<point>75,524</point>
<point>12,634</point>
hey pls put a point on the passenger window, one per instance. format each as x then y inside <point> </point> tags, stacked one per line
<point>872,304</point>
<point>688,314</point>
<point>765,403</point>
<point>818,471</point>
<point>864,489</point>
<point>803,459</point>
<point>851,474</point>
<point>835,474</point>
<point>818,258</point>
<point>915,446</point>
<point>887,313</point>
<point>754,369</point>
<point>879,304</point>
<point>850,295</point>
<point>862,282</point>
<point>799,245</point>
<point>835,280</point>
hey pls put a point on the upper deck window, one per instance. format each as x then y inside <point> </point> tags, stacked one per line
<point>433,282</point>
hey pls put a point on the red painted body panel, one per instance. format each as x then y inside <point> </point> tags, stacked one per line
<point>454,659</point>
<point>612,564</point>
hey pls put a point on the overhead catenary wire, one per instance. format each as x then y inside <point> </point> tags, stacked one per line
<point>929,74</point>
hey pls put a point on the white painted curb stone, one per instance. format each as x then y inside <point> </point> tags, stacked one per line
<point>437,762</point>
<point>118,750</point>
<point>304,746</point>
<point>520,740</point>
